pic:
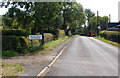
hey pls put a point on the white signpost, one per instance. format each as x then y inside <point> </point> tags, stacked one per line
<point>35,37</point>
<point>68,27</point>
<point>99,27</point>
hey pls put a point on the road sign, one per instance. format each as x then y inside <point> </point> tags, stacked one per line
<point>35,37</point>
<point>99,27</point>
<point>68,27</point>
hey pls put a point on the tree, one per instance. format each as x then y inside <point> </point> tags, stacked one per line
<point>40,15</point>
<point>89,15</point>
<point>103,21</point>
<point>73,15</point>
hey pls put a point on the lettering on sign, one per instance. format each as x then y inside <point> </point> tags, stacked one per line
<point>35,37</point>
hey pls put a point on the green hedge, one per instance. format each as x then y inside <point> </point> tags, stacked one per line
<point>48,37</point>
<point>14,33</point>
<point>111,35</point>
<point>61,33</point>
<point>16,43</point>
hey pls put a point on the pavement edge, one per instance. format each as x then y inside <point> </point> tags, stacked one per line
<point>47,68</point>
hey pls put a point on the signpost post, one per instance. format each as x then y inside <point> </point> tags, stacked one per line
<point>99,30</point>
<point>35,37</point>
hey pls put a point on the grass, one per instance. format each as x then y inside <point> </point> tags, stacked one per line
<point>11,70</point>
<point>1,27</point>
<point>53,44</point>
<point>108,41</point>
<point>9,53</point>
<point>48,47</point>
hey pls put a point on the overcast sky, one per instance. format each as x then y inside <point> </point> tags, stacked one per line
<point>105,7</point>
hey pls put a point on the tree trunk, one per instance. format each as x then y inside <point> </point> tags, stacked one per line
<point>42,33</point>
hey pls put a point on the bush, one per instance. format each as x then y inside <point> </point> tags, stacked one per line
<point>111,35</point>
<point>61,33</point>
<point>9,53</point>
<point>48,37</point>
<point>14,33</point>
<point>16,43</point>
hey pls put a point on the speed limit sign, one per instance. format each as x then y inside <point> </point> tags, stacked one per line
<point>99,27</point>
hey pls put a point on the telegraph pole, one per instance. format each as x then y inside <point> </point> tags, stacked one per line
<point>97,23</point>
<point>109,18</point>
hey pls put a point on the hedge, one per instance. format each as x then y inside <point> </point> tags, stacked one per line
<point>111,35</point>
<point>16,43</point>
<point>14,33</point>
<point>48,37</point>
<point>61,33</point>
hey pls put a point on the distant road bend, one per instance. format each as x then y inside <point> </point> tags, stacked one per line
<point>87,56</point>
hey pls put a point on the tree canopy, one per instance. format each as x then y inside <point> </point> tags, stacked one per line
<point>44,16</point>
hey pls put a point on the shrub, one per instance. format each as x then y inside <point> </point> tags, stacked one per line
<point>61,33</point>
<point>9,53</point>
<point>16,43</point>
<point>111,35</point>
<point>48,37</point>
<point>14,33</point>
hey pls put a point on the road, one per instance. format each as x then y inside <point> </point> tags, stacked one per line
<point>87,56</point>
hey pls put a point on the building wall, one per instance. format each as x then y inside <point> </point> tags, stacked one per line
<point>119,11</point>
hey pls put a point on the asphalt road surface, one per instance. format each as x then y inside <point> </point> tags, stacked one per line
<point>87,56</point>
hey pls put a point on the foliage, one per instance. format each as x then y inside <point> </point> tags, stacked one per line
<point>9,53</point>
<point>53,44</point>
<point>108,41</point>
<point>111,35</point>
<point>89,15</point>
<point>45,16</point>
<point>11,70</point>
<point>103,21</point>
<point>73,15</point>
<point>61,33</point>
<point>15,43</point>
<point>14,33</point>
<point>0,20</point>
<point>18,67</point>
<point>1,27</point>
<point>48,37</point>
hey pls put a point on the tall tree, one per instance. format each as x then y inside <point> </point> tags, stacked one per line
<point>103,21</point>
<point>89,15</point>
<point>74,16</point>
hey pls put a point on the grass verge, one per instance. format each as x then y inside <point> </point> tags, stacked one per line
<point>11,70</point>
<point>108,41</point>
<point>1,27</point>
<point>48,47</point>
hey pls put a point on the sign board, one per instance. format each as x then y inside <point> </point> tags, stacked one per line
<point>68,27</point>
<point>99,27</point>
<point>35,37</point>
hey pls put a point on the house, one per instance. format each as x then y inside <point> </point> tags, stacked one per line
<point>114,26</point>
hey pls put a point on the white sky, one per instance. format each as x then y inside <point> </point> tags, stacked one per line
<point>105,7</point>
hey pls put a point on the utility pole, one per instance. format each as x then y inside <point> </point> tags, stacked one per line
<point>97,23</point>
<point>109,18</point>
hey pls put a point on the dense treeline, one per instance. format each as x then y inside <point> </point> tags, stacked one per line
<point>50,19</point>
<point>44,17</point>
